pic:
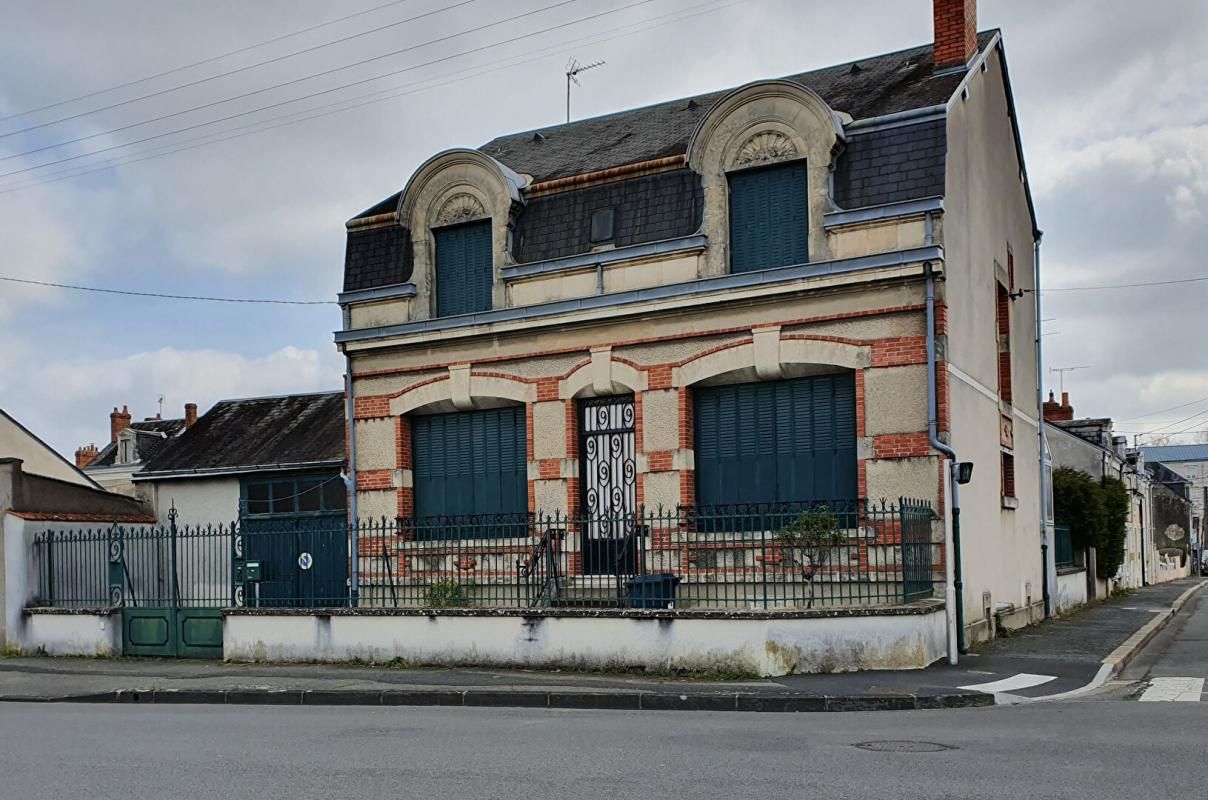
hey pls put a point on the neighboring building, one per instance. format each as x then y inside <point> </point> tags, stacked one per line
<point>1190,461</point>
<point>264,458</point>
<point>1170,512</point>
<point>131,445</point>
<point>37,457</point>
<point>732,291</point>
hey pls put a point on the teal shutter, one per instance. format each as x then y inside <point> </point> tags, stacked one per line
<point>776,442</point>
<point>470,463</point>
<point>465,272</point>
<point>769,217</point>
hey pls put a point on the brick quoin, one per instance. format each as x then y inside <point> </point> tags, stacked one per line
<point>941,395</point>
<point>369,479</point>
<point>371,407</point>
<point>659,377</point>
<point>901,445</point>
<point>899,351</point>
<point>402,442</point>
<point>547,388</point>
<point>860,402</point>
<point>405,499</point>
<point>660,461</point>
<point>549,469</point>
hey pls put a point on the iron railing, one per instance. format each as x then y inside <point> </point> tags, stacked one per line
<point>780,556</point>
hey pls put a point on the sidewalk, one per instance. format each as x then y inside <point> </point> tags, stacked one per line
<point>1067,653</point>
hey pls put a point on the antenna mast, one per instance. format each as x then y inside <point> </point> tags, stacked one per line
<point>1061,374</point>
<point>573,68</point>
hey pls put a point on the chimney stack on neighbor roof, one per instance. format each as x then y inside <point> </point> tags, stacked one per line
<point>86,455</point>
<point>118,422</point>
<point>955,32</point>
<point>190,415</point>
<point>1058,412</point>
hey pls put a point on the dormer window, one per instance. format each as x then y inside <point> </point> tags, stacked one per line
<point>127,452</point>
<point>465,273</point>
<point>769,217</point>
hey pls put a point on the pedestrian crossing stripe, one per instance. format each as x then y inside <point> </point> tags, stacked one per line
<point>1173,690</point>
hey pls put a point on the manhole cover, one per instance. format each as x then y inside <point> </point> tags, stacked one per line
<point>904,747</point>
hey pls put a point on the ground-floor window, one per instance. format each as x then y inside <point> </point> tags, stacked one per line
<point>777,441</point>
<point>470,463</point>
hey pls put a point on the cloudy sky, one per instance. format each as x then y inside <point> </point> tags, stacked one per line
<point>1111,96</point>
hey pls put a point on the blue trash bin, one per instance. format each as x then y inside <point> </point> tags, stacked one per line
<point>652,591</point>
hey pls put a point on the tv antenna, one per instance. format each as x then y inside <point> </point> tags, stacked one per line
<point>573,68</point>
<point>161,407</point>
<point>1061,375</point>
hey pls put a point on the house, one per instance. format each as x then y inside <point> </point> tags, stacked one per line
<point>41,491</point>
<point>808,289</point>
<point>131,444</point>
<point>1190,461</point>
<point>1170,510</point>
<point>263,458</point>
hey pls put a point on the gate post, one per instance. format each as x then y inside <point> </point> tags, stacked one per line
<point>175,582</point>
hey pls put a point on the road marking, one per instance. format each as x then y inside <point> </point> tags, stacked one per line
<point>1186,690</point>
<point>1021,681</point>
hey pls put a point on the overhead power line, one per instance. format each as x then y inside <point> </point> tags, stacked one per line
<point>169,296</point>
<point>1164,410</point>
<point>200,81</point>
<point>1119,285</point>
<point>203,62</point>
<point>378,96</point>
<point>335,88</point>
<point>290,82</point>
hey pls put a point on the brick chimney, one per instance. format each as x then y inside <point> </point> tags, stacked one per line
<point>955,32</point>
<point>86,455</point>
<point>118,422</point>
<point>1058,412</point>
<point>190,415</point>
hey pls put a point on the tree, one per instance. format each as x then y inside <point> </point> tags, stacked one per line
<point>809,541</point>
<point>1078,502</point>
<point>1110,551</point>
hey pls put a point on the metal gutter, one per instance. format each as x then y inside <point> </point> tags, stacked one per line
<point>636,169</point>
<point>585,260</point>
<point>391,292</point>
<point>699,286</point>
<point>911,116</point>
<point>902,208</point>
<point>214,472</point>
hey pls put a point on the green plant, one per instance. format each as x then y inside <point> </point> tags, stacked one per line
<point>448,593</point>
<point>1110,550</point>
<point>1097,513</point>
<point>809,541</point>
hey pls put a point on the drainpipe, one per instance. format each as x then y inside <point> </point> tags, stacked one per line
<point>350,477</point>
<point>953,594</point>
<point>1048,558</point>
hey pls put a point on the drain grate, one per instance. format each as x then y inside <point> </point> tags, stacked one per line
<point>904,746</point>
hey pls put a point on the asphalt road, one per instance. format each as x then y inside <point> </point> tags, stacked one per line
<point>1051,750</point>
<point>1177,655</point>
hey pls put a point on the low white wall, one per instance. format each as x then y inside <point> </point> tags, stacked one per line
<point>73,634</point>
<point>1071,589</point>
<point>764,646</point>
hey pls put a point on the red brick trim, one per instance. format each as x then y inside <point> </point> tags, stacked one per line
<point>660,461</point>
<point>371,407</point>
<point>901,445</point>
<point>875,312</point>
<point>369,479</point>
<point>899,351</point>
<point>860,416</point>
<point>64,516</point>
<point>549,469</point>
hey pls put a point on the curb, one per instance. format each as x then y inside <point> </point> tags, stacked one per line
<point>617,701</point>
<point>1118,659</point>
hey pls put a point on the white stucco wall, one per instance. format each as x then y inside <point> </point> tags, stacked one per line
<point>198,501</point>
<point>1071,589</point>
<point>73,634</point>
<point>985,211</point>
<point>766,647</point>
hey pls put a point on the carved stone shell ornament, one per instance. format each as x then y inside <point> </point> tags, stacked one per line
<point>461,207</point>
<point>764,148</point>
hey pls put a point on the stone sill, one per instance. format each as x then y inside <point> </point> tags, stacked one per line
<point>1010,503</point>
<point>921,607</point>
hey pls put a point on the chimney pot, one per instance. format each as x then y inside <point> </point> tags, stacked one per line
<point>85,455</point>
<point>118,422</point>
<point>1065,398</point>
<point>955,24</point>
<point>190,415</point>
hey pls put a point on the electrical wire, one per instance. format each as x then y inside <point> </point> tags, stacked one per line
<point>199,81</point>
<point>167,296</point>
<point>340,106</point>
<point>1164,410</point>
<point>204,61</point>
<point>290,82</point>
<point>1118,286</point>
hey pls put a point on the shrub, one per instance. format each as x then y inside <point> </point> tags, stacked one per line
<point>448,594</point>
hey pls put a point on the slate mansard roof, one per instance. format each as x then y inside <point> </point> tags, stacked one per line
<point>261,433</point>
<point>906,162</point>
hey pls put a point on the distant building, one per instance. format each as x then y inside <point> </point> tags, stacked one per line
<point>1190,461</point>
<point>131,444</point>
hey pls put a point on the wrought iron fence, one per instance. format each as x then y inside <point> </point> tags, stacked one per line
<point>735,557</point>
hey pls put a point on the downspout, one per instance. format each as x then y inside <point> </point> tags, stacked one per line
<point>350,476</point>
<point>1048,558</point>
<point>953,594</point>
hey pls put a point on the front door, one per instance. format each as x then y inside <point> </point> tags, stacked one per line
<point>608,481</point>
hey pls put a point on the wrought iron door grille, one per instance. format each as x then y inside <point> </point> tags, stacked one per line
<point>609,472</point>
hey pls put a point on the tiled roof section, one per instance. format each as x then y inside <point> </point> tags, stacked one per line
<point>1176,452</point>
<point>887,166</point>
<point>377,257</point>
<point>871,87</point>
<point>386,206</point>
<point>647,209</point>
<point>259,432</point>
<point>148,446</point>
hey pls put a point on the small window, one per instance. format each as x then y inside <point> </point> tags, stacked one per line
<point>1008,475</point>
<point>602,224</point>
<point>309,496</point>
<point>257,498</point>
<point>283,497</point>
